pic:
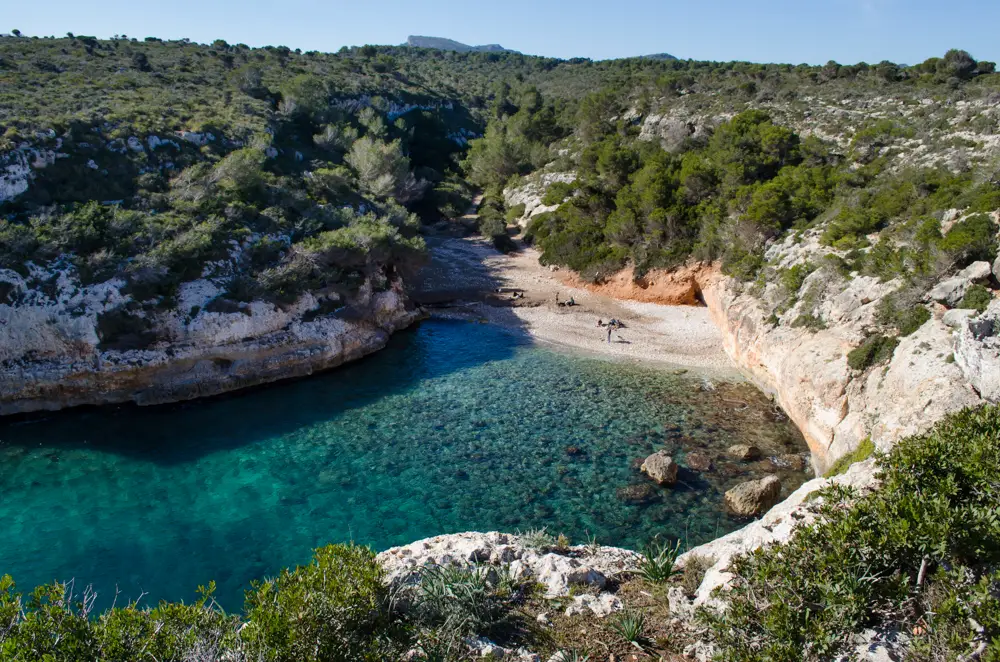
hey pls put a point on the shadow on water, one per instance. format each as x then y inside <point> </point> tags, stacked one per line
<point>183,432</point>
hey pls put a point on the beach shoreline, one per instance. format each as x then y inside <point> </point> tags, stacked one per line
<point>469,279</point>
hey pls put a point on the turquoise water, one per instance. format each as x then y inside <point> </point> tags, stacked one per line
<point>455,426</point>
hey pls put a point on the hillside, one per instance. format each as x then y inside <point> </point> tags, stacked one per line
<point>443,44</point>
<point>180,220</point>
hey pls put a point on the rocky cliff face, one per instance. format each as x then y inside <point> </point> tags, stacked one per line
<point>55,352</point>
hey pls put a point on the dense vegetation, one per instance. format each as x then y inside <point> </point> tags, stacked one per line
<point>339,608</point>
<point>919,556</point>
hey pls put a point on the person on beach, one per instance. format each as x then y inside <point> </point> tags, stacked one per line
<point>610,328</point>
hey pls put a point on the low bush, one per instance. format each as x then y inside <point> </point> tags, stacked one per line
<point>903,312</point>
<point>658,560</point>
<point>336,609</point>
<point>557,192</point>
<point>918,555</point>
<point>468,601</point>
<point>874,350</point>
<point>864,451</point>
<point>976,297</point>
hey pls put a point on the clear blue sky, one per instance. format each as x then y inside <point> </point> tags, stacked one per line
<point>813,31</point>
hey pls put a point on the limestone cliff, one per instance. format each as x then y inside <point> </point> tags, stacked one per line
<point>55,351</point>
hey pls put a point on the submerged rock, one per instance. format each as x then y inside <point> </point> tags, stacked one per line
<point>753,497</point>
<point>660,467</point>
<point>638,494</point>
<point>745,452</point>
<point>699,462</point>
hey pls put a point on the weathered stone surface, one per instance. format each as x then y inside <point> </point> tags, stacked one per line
<point>583,565</point>
<point>660,467</point>
<point>744,452</point>
<point>976,271</point>
<point>697,461</point>
<point>949,291</point>
<point>957,317</point>
<point>807,371</point>
<point>602,605</point>
<point>996,269</point>
<point>753,497</point>
<point>51,356</point>
<point>977,352</point>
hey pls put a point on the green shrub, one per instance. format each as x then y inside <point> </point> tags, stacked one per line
<point>809,321</point>
<point>468,601</point>
<point>902,312</point>
<point>557,192</point>
<point>336,609</point>
<point>658,560</point>
<point>933,519</point>
<point>514,213</point>
<point>859,454</point>
<point>976,297</point>
<point>874,350</point>
<point>629,624</point>
<point>971,239</point>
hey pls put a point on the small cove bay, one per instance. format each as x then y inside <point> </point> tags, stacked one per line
<point>455,426</point>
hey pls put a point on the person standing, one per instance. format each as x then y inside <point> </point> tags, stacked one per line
<point>610,328</point>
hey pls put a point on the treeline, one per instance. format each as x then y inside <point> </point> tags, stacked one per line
<point>725,192</point>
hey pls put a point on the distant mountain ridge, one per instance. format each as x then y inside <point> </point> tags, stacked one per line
<point>658,56</point>
<point>451,45</point>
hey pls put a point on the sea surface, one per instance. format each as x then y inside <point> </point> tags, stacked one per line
<point>455,426</point>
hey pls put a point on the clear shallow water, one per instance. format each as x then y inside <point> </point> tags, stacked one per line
<point>455,426</point>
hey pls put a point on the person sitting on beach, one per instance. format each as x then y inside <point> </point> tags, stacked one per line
<point>571,302</point>
<point>600,322</point>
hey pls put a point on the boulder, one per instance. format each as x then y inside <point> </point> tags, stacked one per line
<point>660,467</point>
<point>956,317</point>
<point>753,497</point>
<point>745,452</point>
<point>976,271</point>
<point>996,269</point>
<point>699,461</point>
<point>949,291</point>
<point>792,461</point>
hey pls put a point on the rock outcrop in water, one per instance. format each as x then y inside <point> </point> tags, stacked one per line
<point>55,353</point>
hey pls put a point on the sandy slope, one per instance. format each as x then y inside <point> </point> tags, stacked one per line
<point>471,270</point>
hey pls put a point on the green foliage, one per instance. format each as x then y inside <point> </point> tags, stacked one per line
<point>658,560</point>
<point>336,609</point>
<point>629,624</point>
<point>861,565</point>
<point>464,601</point>
<point>903,311</point>
<point>971,239</point>
<point>557,192</point>
<point>514,213</point>
<point>539,540</point>
<point>873,351</point>
<point>976,297</point>
<point>56,623</point>
<point>864,451</point>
